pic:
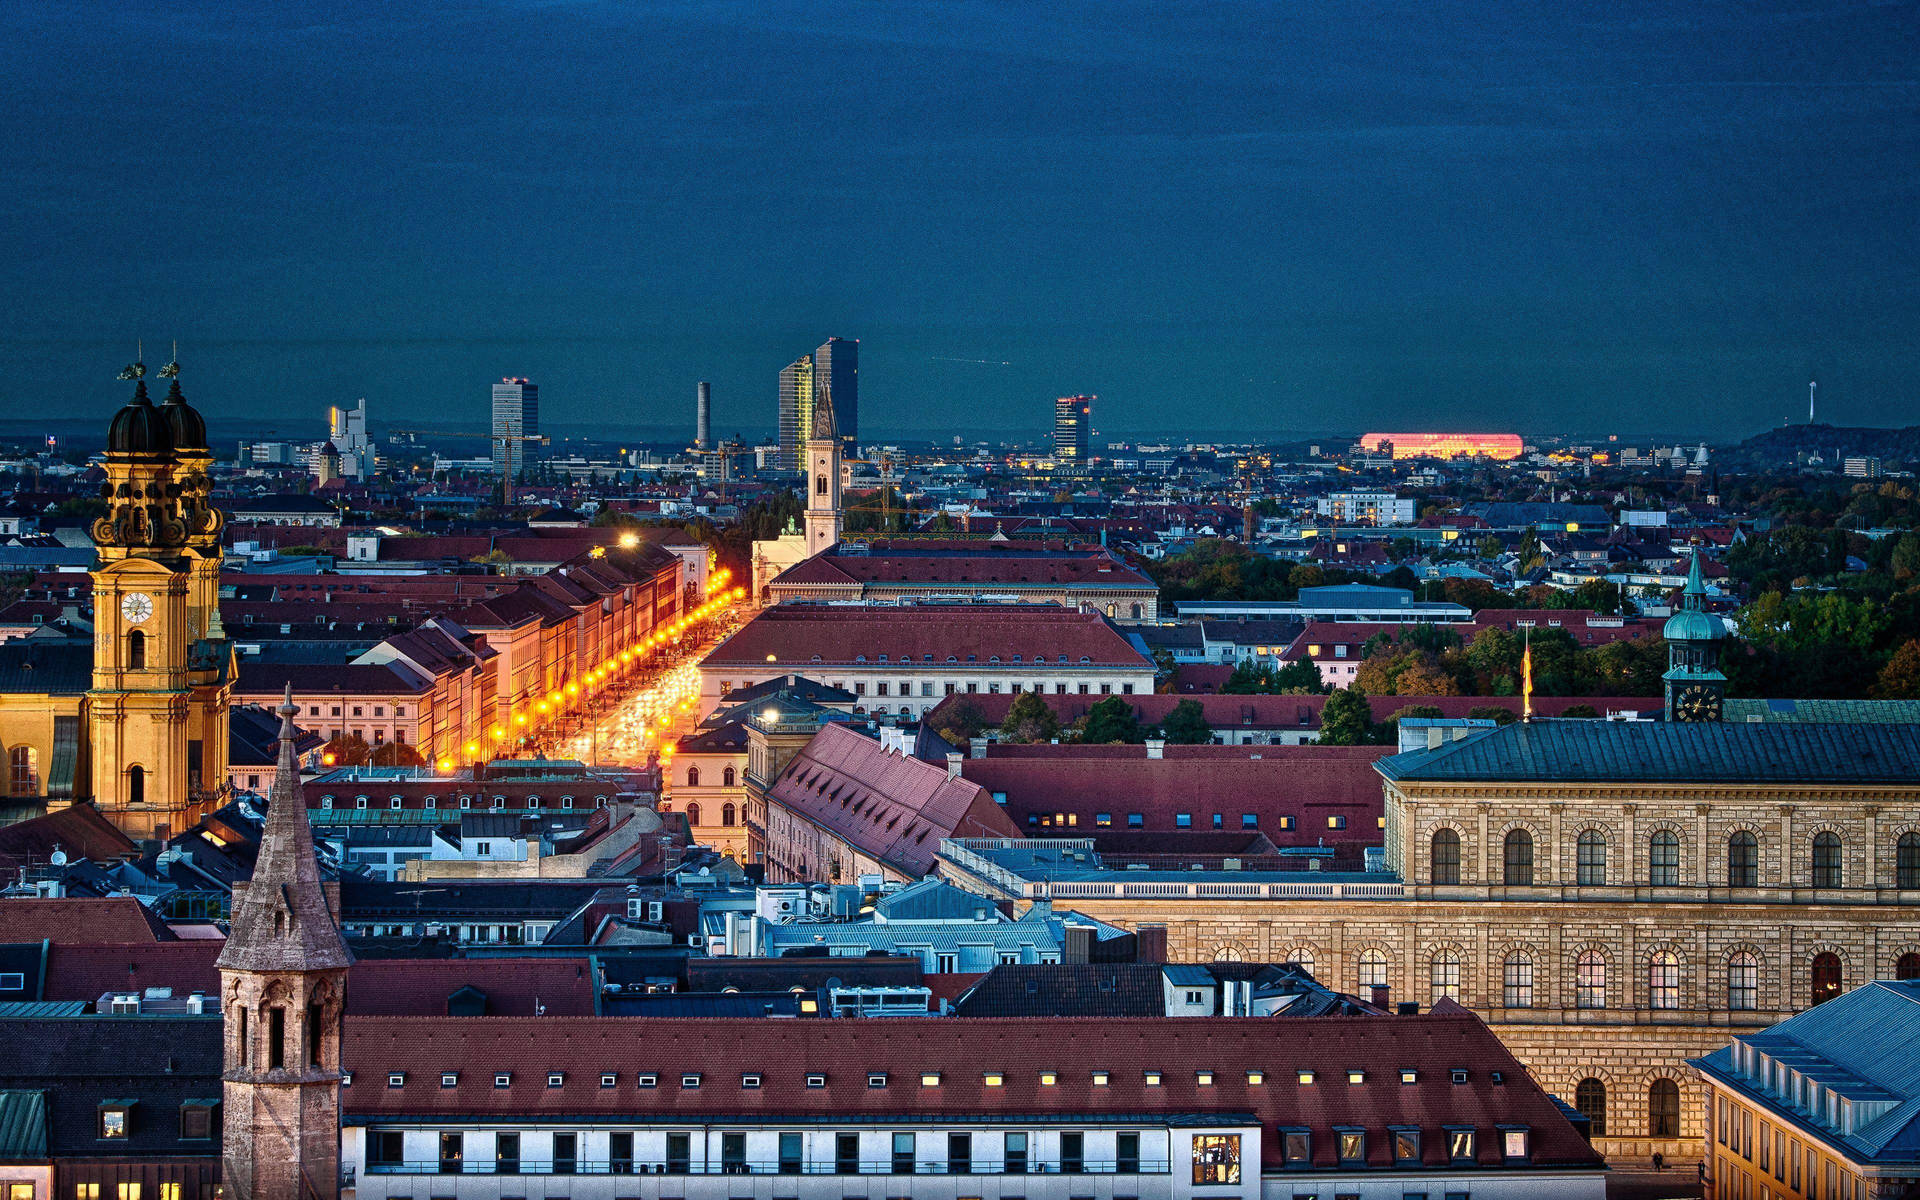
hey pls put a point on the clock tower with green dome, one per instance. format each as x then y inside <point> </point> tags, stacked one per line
<point>1696,686</point>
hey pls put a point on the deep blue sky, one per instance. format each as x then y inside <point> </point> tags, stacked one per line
<point>1542,215</point>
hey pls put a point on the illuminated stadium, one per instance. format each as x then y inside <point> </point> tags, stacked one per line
<point>1446,445</point>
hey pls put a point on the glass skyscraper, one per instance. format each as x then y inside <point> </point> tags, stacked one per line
<point>1072,429</point>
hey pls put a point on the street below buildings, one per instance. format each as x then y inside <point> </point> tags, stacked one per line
<point>628,724</point>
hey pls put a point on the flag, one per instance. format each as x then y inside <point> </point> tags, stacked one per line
<point>1526,681</point>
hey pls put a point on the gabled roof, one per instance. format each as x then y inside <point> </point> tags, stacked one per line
<point>795,634</point>
<point>1069,990</point>
<point>891,807</point>
<point>1670,752</point>
<point>118,919</point>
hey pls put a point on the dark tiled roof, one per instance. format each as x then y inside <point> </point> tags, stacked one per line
<point>961,1050</point>
<point>87,972</point>
<point>78,831</point>
<point>1068,990</point>
<point>396,987</point>
<point>1664,752</point>
<point>798,686</point>
<point>160,1062</point>
<point>780,974</point>
<point>36,667</point>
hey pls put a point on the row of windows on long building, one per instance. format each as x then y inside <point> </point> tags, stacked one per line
<point>1665,978</point>
<point>1826,862</point>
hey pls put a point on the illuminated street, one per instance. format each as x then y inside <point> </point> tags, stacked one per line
<point>630,728</point>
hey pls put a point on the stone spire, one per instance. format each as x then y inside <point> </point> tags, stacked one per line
<point>283,921</point>
<point>824,429</point>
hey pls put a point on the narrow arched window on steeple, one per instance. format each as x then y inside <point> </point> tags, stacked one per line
<point>136,785</point>
<point>136,650</point>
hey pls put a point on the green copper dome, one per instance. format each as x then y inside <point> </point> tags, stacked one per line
<point>1690,626</point>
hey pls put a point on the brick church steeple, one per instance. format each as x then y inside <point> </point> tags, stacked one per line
<point>283,976</point>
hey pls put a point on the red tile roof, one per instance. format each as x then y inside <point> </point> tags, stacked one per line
<point>893,807</point>
<point>1309,784</point>
<point>1076,569</point>
<point>1227,712</point>
<point>119,919</point>
<point>719,1051</point>
<point>796,634</point>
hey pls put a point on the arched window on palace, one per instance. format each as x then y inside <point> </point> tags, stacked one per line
<point>1519,858</point>
<point>1443,976</point>
<point>1826,977</point>
<point>726,780</point>
<point>1517,981</point>
<point>1591,862</point>
<point>1663,859</point>
<point>1373,969</point>
<point>1907,966</point>
<point>1906,861</point>
<point>693,814</point>
<point>1826,860</point>
<point>693,776</point>
<point>1445,857</point>
<point>1743,860</point>
<point>1743,981</point>
<point>726,814</point>
<point>1663,1109</point>
<point>1590,980</point>
<point>1663,980</point>
<point>1590,1100</point>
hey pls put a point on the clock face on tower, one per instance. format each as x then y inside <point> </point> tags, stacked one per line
<point>136,607</point>
<point>1697,703</point>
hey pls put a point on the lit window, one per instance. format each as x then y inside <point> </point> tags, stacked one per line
<point>1152,1078</point>
<point>113,1121</point>
<point>1355,1076</point>
<point>1256,1078</point>
<point>1099,1079</point>
<point>929,1079</point>
<point>1048,1079</point>
<point>1513,1143</point>
<point>1216,1158</point>
<point>993,1079</point>
<point>1409,1075</point>
<point>1305,1075</point>
<point>1203,1078</point>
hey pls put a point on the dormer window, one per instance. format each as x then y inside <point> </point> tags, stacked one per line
<point>750,1080</point>
<point>690,1080</point>
<point>556,1079</point>
<point>113,1119</point>
<point>1152,1078</point>
<point>503,1079</point>
<point>929,1079</point>
<point>816,1080</point>
<point>609,1079</point>
<point>396,1079</point>
<point>449,1079</point>
<point>876,1079</point>
<point>648,1079</point>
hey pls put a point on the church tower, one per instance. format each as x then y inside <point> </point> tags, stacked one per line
<point>138,704</point>
<point>1696,687</point>
<point>210,657</point>
<point>283,977</point>
<point>823,517</point>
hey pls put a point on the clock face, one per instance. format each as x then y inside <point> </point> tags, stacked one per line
<point>136,607</point>
<point>1697,703</point>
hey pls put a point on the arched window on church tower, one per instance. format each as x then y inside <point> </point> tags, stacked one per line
<point>136,650</point>
<point>136,785</point>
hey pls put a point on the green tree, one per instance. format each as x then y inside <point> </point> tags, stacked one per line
<point>962,724</point>
<point>1112,720</point>
<point>1599,595</point>
<point>1299,678</point>
<point>1345,720</point>
<point>1029,719</point>
<point>1580,710</point>
<point>1493,712</point>
<point>1900,678</point>
<point>1187,725</point>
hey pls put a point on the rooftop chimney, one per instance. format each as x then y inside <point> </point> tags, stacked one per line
<point>953,764</point>
<point>976,747</point>
<point>1156,747</point>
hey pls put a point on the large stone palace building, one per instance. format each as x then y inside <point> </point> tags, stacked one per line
<point>1614,898</point>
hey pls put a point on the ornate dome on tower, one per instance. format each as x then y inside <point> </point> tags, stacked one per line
<point>141,428</point>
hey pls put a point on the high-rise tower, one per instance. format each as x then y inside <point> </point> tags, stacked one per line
<point>796,410</point>
<point>823,517</point>
<point>1072,430</point>
<point>516,419</point>
<point>157,708</point>
<point>283,981</point>
<point>836,381</point>
<point>703,416</point>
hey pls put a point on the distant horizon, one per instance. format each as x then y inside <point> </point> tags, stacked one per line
<point>1272,219</point>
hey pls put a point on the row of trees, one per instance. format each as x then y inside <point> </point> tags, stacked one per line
<point>1030,719</point>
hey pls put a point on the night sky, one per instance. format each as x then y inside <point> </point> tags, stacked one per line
<point>1223,218</point>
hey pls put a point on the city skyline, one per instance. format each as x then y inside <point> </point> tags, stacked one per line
<point>1592,212</point>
